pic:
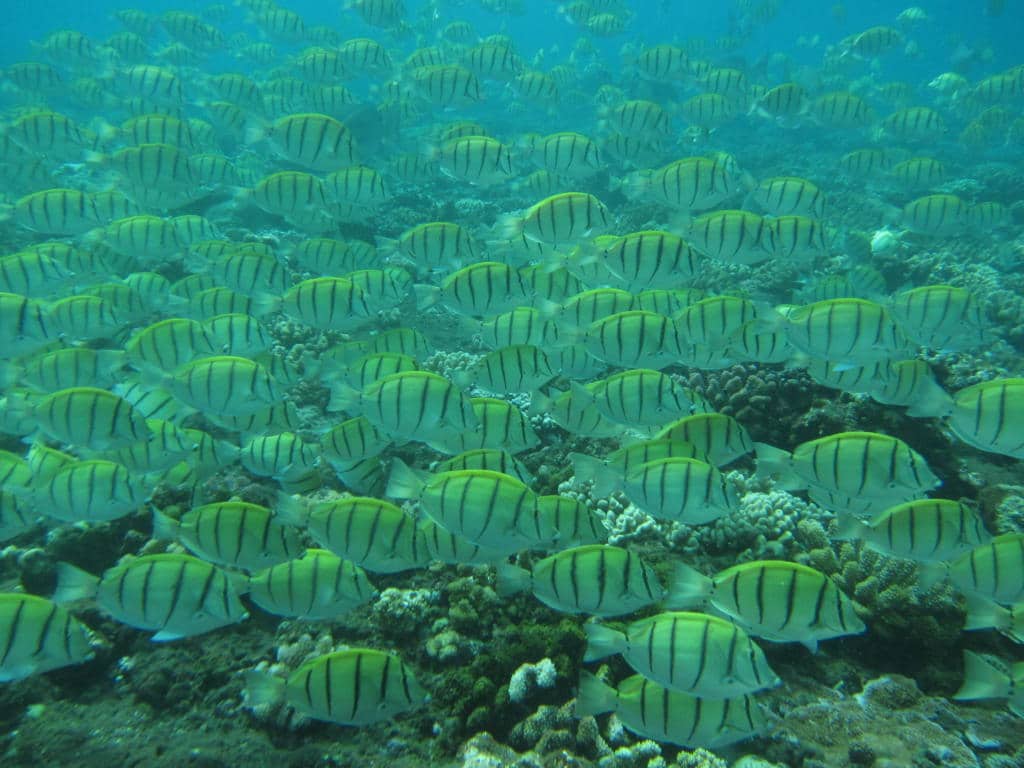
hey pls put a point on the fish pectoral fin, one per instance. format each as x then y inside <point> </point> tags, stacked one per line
<point>165,636</point>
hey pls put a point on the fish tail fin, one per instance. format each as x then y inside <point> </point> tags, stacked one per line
<point>776,464</point>
<point>292,510</point>
<point>74,584</point>
<point>263,689</point>
<point>510,226</point>
<point>930,574</point>
<point>404,482</point>
<point>689,587</point>
<point>849,527</point>
<point>591,469</point>
<point>164,526</point>
<point>594,697</point>
<point>984,614</point>
<point>511,580</point>
<point>426,295</point>
<point>343,397</point>
<point>602,641</point>
<point>984,678</point>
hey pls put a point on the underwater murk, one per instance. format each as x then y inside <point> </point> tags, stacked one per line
<point>512,384</point>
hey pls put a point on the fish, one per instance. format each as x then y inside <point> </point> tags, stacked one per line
<point>638,398</point>
<point>654,712</point>
<point>235,534</point>
<point>985,415</point>
<point>993,570</point>
<point>406,405</point>
<point>862,464</point>
<point>357,686</point>
<point>500,424</point>
<point>565,218</point>
<point>695,653</point>
<point>316,586</point>
<point>925,530</point>
<point>491,509</point>
<point>177,595</point>
<point>38,636</point>
<point>940,316</point>
<point>594,579</point>
<point>718,437</point>
<point>776,600</point>
<point>986,677</point>
<point>847,331</point>
<point>681,489</point>
<point>371,533</point>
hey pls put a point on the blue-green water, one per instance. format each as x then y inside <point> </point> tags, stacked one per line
<point>482,382</point>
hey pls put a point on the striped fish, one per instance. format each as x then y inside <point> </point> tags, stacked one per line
<point>561,219</point>
<point>481,289</point>
<point>848,331</point>
<point>447,547</point>
<point>986,677</point>
<point>571,522</point>
<point>476,159</point>
<point>638,397</point>
<point>790,196</point>
<point>352,440</point>
<point>283,456</point>
<point>176,595</point>
<point>91,418</point>
<point>655,712</point>
<point>693,653</point>
<point>319,585</point>
<point>24,325</point>
<point>94,490</point>
<point>608,474</point>
<point>595,579</point>
<point>317,142</point>
<point>409,405</point>
<point>924,530</point>
<point>940,316</point>
<point>73,367</point>
<point>57,212</point>
<point>733,236</point>
<point>993,571</point>
<point>642,260</point>
<point>718,436</point>
<point>864,464</point>
<point>491,509</point>
<point>372,533</point>
<point>522,325</point>
<point>681,489</point>
<point>990,416</point>
<point>939,215</point>
<point>714,321</point>
<point>37,635</point>
<point>777,600</point>
<point>358,686</point>
<point>231,533</point>
<point>224,386</point>
<point>692,183</point>
<point>327,303</point>
<point>15,516</point>
<point>911,383</point>
<point>500,425</point>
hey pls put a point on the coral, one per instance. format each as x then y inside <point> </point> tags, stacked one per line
<point>530,678</point>
<point>889,723</point>
<point>764,527</point>
<point>902,619</point>
<point>482,751</point>
<point>763,399</point>
<point>404,613</point>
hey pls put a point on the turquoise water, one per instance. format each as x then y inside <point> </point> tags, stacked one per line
<point>471,382</point>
